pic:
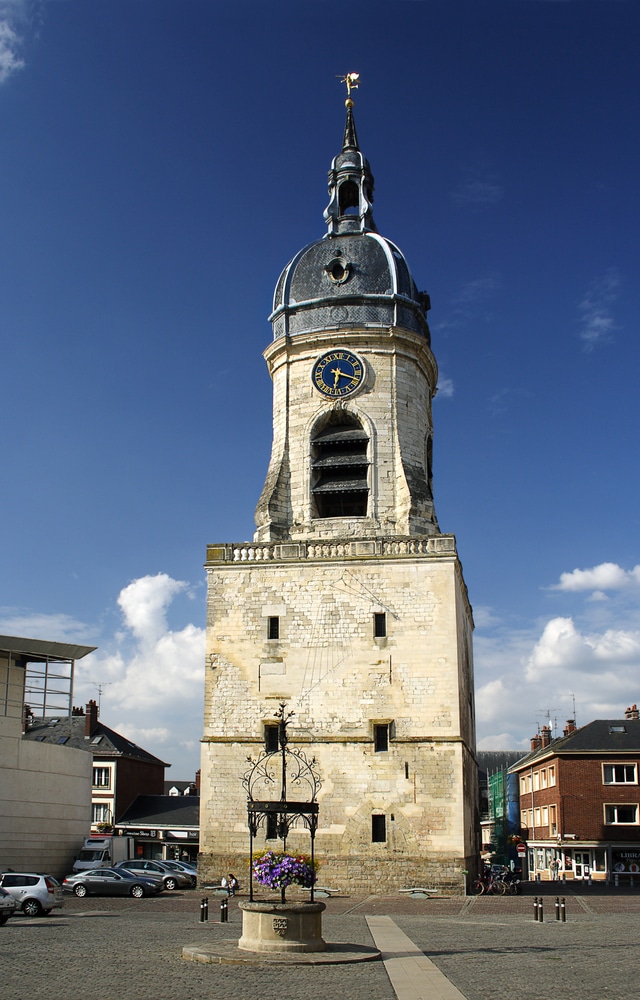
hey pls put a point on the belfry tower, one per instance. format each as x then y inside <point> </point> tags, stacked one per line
<point>349,605</point>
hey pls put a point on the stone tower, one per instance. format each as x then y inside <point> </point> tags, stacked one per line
<point>349,605</point>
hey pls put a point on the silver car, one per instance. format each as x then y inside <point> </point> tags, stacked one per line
<point>7,906</point>
<point>34,892</point>
<point>189,870</point>
<point>171,879</point>
<point>111,882</point>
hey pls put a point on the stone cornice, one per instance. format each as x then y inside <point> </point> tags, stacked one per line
<point>346,740</point>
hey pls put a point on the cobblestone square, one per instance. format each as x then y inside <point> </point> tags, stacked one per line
<point>490,949</point>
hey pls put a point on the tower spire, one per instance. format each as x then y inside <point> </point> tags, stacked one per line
<point>350,178</point>
<point>350,141</point>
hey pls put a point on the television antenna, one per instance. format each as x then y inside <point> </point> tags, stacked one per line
<point>104,684</point>
<point>549,715</point>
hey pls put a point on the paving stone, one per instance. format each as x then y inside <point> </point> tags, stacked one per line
<point>489,949</point>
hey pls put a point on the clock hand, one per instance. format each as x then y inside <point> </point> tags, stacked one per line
<point>338,373</point>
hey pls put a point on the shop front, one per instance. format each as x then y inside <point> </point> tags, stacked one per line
<point>625,862</point>
<point>164,827</point>
<point>549,862</point>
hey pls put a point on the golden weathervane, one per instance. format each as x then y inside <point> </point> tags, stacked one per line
<point>351,81</point>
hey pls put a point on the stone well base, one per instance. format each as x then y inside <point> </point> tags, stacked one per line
<point>278,927</point>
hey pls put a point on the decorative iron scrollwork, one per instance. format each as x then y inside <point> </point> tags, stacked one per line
<point>293,771</point>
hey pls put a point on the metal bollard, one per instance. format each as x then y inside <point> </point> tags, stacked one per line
<point>204,909</point>
<point>540,911</point>
<point>563,910</point>
<point>616,880</point>
<point>224,911</point>
<point>535,907</point>
<point>557,907</point>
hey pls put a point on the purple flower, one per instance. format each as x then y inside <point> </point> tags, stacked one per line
<point>277,871</point>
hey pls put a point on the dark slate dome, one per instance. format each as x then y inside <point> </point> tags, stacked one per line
<point>353,277</point>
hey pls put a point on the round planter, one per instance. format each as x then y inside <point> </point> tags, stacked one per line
<point>270,926</point>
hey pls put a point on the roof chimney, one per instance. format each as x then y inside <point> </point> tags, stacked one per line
<point>90,720</point>
<point>536,742</point>
<point>632,713</point>
<point>198,781</point>
<point>545,736</point>
<point>570,727</point>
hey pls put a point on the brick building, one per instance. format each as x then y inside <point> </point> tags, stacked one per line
<point>580,800</point>
<point>121,769</point>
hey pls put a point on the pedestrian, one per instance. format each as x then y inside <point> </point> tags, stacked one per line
<point>555,864</point>
<point>232,884</point>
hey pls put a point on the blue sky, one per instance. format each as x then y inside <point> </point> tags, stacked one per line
<point>161,161</point>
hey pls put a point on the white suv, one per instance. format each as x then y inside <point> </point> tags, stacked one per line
<point>34,893</point>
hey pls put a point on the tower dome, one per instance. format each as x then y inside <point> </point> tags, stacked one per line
<point>352,277</point>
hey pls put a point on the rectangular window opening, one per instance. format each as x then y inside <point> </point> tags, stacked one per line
<point>378,829</point>
<point>273,627</point>
<point>619,774</point>
<point>621,815</point>
<point>379,625</point>
<point>381,737</point>
<point>271,743</point>
<point>100,813</point>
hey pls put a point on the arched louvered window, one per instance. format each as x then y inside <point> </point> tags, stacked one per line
<point>339,463</point>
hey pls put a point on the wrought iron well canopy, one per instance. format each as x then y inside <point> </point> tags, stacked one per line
<point>289,767</point>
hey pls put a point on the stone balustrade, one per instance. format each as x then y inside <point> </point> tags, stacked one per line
<point>375,548</point>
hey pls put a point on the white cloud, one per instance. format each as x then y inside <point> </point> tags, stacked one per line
<point>559,646</point>
<point>605,576</point>
<point>143,737</point>
<point>597,320</point>
<point>478,290</point>
<point>504,399</point>
<point>502,741</point>
<point>477,193</point>
<point>484,617</point>
<point>561,668</point>
<point>445,388</point>
<point>14,20</point>
<point>144,604</point>
<point>470,301</point>
<point>56,628</point>
<point>152,677</point>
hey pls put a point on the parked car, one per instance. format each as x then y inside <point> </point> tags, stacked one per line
<point>186,869</point>
<point>34,892</point>
<point>111,882</point>
<point>171,879</point>
<point>7,906</point>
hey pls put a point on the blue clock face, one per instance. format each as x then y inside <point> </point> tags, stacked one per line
<point>337,373</point>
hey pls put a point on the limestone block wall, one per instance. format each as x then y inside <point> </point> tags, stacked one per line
<point>341,681</point>
<point>394,406</point>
